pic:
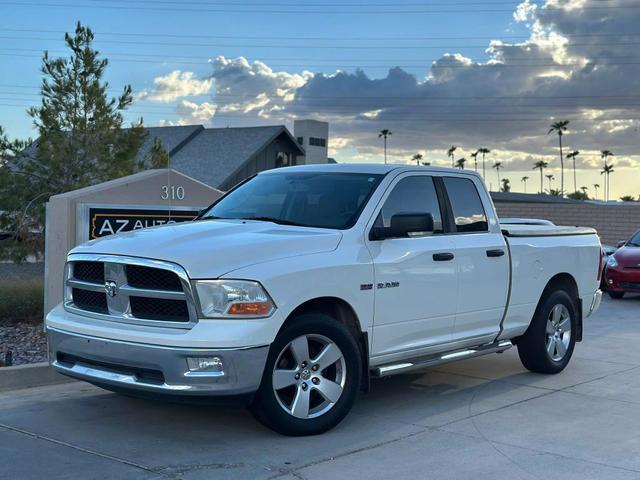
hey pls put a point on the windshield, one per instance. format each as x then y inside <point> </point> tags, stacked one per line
<point>635,240</point>
<point>310,199</point>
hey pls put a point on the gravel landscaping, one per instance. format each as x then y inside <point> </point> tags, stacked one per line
<point>25,342</point>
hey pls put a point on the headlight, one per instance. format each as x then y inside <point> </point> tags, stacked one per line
<point>611,262</point>
<point>233,299</point>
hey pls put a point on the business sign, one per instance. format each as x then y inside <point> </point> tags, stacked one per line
<point>98,221</point>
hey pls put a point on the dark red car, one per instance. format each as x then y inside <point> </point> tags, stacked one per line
<point>623,268</point>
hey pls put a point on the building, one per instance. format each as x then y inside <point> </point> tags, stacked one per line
<point>222,157</point>
<point>313,136</point>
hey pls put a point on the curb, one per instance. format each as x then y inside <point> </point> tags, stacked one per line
<point>29,376</point>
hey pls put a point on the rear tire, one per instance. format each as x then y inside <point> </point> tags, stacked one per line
<point>616,295</point>
<point>311,378</point>
<point>548,343</point>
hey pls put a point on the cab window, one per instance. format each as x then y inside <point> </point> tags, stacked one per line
<point>468,212</point>
<point>415,194</point>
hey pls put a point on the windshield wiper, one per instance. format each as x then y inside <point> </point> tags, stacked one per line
<point>279,221</point>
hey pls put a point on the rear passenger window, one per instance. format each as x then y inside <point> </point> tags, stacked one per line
<point>468,211</point>
<point>412,195</point>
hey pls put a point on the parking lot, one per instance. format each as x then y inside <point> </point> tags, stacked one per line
<point>483,418</point>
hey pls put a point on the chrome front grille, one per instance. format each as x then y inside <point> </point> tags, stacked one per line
<point>129,290</point>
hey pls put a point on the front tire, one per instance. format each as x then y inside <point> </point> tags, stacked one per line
<point>311,378</point>
<point>548,343</point>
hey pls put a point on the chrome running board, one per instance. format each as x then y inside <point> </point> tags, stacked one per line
<point>440,359</point>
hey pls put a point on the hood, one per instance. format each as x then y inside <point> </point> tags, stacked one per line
<point>211,248</point>
<point>628,256</point>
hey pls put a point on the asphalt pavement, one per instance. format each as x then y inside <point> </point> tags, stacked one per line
<point>483,418</point>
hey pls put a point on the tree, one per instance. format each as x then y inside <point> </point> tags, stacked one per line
<point>474,155</point>
<point>573,156</point>
<point>484,151</point>
<point>550,177</point>
<point>81,142</point>
<point>524,180</point>
<point>506,185</point>
<point>417,158</point>
<point>628,198</point>
<point>606,171</point>
<point>384,133</point>
<point>450,152</point>
<point>541,165</point>
<point>498,166</point>
<point>579,194</point>
<point>560,128</point>
<point>596,186</point>
<point>158,156</point>
<point>460,163</point>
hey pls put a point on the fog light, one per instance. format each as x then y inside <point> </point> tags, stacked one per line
<point>610,282</point>
<point>205,366</point>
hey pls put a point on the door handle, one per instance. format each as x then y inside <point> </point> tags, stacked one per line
<point>442,257</point>
<point>498,252</point>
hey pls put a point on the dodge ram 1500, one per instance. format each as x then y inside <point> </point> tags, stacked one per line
<point>301,283</point>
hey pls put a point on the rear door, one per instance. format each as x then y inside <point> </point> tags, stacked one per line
<point>415,277</point>
<point>482,260</point>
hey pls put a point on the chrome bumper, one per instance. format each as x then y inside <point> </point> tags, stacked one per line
<point>595,302</point>
<point>154,369</point>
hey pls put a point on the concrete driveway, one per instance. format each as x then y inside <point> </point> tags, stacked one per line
<point>484,418</point>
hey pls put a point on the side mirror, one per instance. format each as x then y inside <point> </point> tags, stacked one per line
<point>404,225</point>
<point>621,244</point>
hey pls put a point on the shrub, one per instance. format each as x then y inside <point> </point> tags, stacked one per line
<point>21,300</point>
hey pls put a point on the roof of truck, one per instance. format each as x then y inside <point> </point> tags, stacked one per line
<point>370,168</point>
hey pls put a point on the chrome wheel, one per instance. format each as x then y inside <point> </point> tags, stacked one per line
<point>558,335</point>
<point>309,376</point>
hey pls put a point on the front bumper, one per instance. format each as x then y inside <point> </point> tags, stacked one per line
<point>144,368</point>
<point>622,280</point>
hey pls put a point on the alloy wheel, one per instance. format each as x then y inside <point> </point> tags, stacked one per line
<point>558,334</point>
<point>309,376</point>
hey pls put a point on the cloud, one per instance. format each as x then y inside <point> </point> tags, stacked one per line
<point>176,85</point>
<point>190,113</point>
<point>574,65</point>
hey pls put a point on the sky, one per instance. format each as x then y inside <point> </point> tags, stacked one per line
<point>469,73</point>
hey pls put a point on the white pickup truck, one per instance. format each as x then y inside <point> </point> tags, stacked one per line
<point>302,283</point>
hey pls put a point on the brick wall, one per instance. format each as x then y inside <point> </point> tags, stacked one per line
<point>613,222</point>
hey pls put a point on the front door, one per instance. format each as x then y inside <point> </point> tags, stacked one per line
<point>415,277</point>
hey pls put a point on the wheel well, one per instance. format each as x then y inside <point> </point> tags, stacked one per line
<point>566,282</point>
<point>333,307</point>
<point>340,310</point>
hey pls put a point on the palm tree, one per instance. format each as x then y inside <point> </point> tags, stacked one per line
<point>498,166</point>
<point>417,158</point>
<point>560,128</point>
<point>450,153</point>
<point>584,190</point>
<point>484,151</point>
<point>550,177</point>
<point>524,180</point>
<point>605,154</point>
<point>506,185</point>
<point>384,133</point>
<point>606,171</point>
<point>460,163</point>
<point>474,155</point>
<point>541,165</point>
<point>573,156</point>
<point>596,186</point>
